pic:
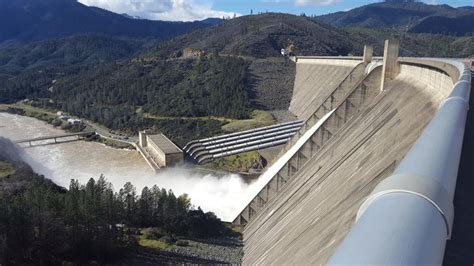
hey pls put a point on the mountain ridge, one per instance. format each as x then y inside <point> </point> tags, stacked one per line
<point>30,20</point>
<point>262,36</point>
<point>413,17</point>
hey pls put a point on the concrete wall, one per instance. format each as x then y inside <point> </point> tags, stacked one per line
<point>142,139</point>
<point>316,79</point>
<point>312,213</point>
<point>161,158</point>
<point>391,68</point>
<point>345,109</point>
<point>156,153</point>
<point>174,158</point>
<point>322,106</point>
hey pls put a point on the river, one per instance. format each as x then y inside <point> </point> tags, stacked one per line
<point>224,195</point>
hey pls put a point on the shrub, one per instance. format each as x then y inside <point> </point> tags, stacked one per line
<point>169,239</point>
<point>152,233</point>
<point>17,111</point>
<point>182,243</point>
<point>57,122</point>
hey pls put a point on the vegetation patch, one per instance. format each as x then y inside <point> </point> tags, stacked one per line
<point>259,118</point>
<point>198,118</point>
<point>111,142</point>
<point>238,163</point>
<point>237,229</point>
<point>154,244</point>
<point>116,144</point>
<point>28,110</point>
<point>93,222</point>
<point>6,169</point>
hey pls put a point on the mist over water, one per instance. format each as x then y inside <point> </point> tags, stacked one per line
<point>224,195</point>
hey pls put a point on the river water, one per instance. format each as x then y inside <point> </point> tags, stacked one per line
<point>224,195</point>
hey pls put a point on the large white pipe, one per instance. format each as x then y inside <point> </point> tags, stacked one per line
<point>251,143</point>
<point>394,231</point>
<point>242,145</point>
<point>266,135</point>
<point>276,129</point>
<point>209,157</point>
<point>202,150</point>
<point>205,148</point>
<point>251,148</point>
<point>238,135</point>
<point>243,132</point>
<point>408,217</point>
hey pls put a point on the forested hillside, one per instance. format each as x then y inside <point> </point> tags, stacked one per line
<point>43,223</point>
<point>263,36</point>
<point>180,88</point>
<point>412,16</point>
<point>416,44</point>
<point>33,20</point>
<point>131,95</point>
<point>87,49</point>
<point>189,86</point>
<point>460,25</point>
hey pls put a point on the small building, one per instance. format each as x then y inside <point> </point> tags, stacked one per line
<point>160,149</point>
<point>192,53</point>
<point>74,121</point>
<point>26,101</point>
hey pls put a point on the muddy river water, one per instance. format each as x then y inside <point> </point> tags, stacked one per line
<point>224,194</point>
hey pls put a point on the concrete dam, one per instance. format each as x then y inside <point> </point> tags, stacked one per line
<point>380,145</point>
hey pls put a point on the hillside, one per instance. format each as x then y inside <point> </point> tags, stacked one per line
<point>262,36</point>
<point>416,44</point>
<point>416,17</point>
<point>30,20</point>
<point>191,85</point>
<point>459,25</point>
<point>85,49</point>
<point>15,174</point>
<point>84,224</point>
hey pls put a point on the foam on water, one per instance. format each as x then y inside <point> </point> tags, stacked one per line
<point>81,160</point>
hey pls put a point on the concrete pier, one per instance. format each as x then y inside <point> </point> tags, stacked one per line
<point>391,67</point>
<point>368,54</point>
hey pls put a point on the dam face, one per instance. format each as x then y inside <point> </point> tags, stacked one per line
<point>317,78</point>
<point>371,130</point>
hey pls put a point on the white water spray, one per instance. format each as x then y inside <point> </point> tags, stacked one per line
<point>221,194</point>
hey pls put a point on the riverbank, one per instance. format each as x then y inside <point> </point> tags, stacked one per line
<point>220,192</point>
<point>129,238</point>
<point>51,117</point>
<point>244,164</point>
<point>152,249</point>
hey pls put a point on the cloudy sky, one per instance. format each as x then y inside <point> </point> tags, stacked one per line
<point>188,10</point>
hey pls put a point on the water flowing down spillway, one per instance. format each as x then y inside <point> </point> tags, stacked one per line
<point>82,160</point>
<point>263,180</point>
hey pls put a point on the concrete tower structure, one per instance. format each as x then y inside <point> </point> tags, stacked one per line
<point>391,67</point>
<point>368,54</point>
<point>142,138</point>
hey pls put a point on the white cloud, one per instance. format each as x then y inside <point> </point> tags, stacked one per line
<point>315,2</point>
<point>170,10</point>
<point>304,2</point>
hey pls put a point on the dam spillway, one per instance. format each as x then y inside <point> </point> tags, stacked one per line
<point>304,220</point>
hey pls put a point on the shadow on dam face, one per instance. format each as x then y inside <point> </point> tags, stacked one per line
<point>460,249</point>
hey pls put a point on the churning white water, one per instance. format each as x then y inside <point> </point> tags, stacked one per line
<point>224,195</point>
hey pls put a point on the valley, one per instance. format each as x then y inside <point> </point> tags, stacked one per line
<point>195,86</point>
